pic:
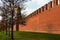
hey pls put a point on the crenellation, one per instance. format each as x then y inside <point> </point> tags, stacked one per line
<point>42,8</point>
<point>39,10</point>
<point>51,4</point>
<point>48,6</point>
<point>56,2</point>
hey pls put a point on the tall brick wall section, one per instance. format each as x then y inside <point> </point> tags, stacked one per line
<point>46,19</point>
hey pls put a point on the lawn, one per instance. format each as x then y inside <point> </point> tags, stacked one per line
<point>31,36</point>
<point>4,36</point>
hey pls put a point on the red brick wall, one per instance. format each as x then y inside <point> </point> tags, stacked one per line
<point>47,21</point>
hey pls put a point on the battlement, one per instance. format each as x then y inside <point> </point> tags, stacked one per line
<point>45,19</point>
<point>44,8</point>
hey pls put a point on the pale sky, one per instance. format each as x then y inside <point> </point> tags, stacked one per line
<point>32,6</point>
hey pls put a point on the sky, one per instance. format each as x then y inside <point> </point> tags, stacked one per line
<point>34,5</point>
<point>31,6</point>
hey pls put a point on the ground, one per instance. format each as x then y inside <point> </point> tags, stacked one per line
<point>30,36</point>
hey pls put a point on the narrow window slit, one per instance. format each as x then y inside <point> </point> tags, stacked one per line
<point>56,2</point>
<point>43,8</point>
<point>51,4</point>
<point>46,6</point>
<point>39,10</point>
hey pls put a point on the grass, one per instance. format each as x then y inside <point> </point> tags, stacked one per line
<point>35,36</point>
<point>4,36</point>
<point>31,36</point>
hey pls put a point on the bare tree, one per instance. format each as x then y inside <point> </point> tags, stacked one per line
<point>9,6</point>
